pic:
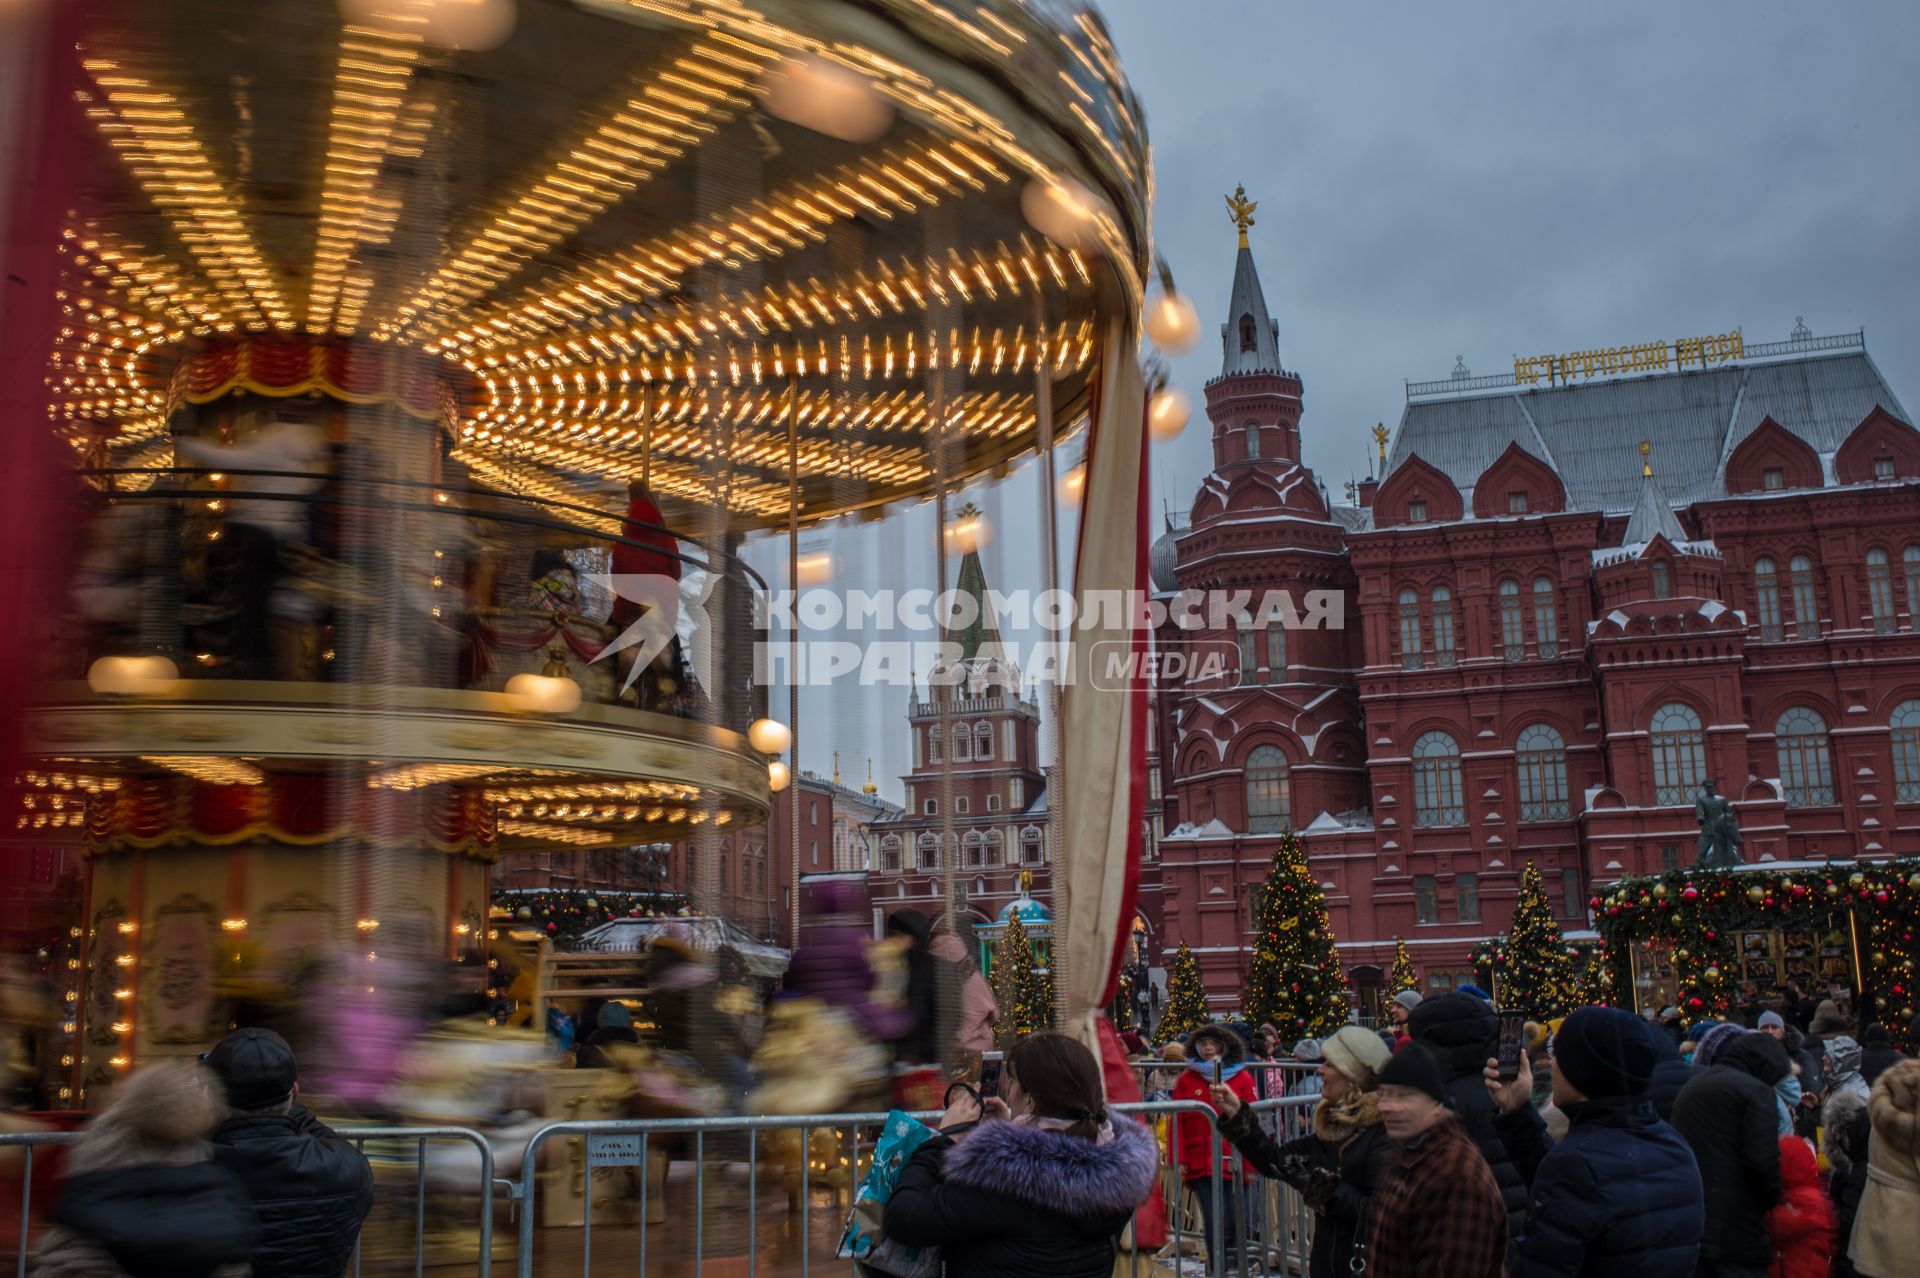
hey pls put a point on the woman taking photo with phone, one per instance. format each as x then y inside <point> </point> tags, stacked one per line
<point>1337,1167</point>
<point>1039,1185</point>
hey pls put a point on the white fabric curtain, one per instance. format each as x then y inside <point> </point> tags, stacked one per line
<point>1104,720</point>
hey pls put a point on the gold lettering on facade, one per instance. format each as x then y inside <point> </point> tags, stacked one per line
<point>1644,357</point>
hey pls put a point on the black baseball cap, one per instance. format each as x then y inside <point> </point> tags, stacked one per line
<point>256,1065</point>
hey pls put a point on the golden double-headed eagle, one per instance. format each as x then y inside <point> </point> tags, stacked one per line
<point>1240,209</point>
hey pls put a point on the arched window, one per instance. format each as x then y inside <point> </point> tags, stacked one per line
<point>1541,757</point>
<point>1249,339</point>
<point>1410,629</point>
<point>931,807</point>
<point>1806,603</point>
<point>1546,619</point>
<point>934,752</point>
<point>1253,441</point>
<point>929,846</point>
<point>1276,652</point>
<point>1513,625</point>
<point>1030,847</point>
<point>1662,580</point>
<point>1766,600</point>
<point>1906,752</point>
<point>1269,796</point>
<point>1910,561</point>
<point>1679,753</point>
<point>890,852</point>
<point>983,740</point>
<point>1806,766</point>
<point>1436,781</point>
<point>1249,656</point>
<point>962,805</point>
<point>1880,591</point>
<point>995,843</point>
<point>976,846</point>
<point>1442,626</point>
<point>962,743</point>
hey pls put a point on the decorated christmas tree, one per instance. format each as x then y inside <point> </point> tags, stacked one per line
<point>1535,973</point>
<point>1024,992</point>
<point>1402,977</point>
<point>1294,981</point>
<point>1186,999</point>
<point>1595,987</point>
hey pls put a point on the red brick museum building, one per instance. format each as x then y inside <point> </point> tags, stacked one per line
<point>1568,601</point>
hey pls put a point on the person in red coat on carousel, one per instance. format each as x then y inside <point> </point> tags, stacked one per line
<point>656,555</point>
<point>1194,1138</point>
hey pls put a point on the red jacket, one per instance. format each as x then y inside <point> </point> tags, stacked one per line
<point>1801,1224</point>
<point>643,524</point>
<point>1191,1146</point>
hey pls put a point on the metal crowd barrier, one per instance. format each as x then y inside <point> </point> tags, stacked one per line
<point>390,1144</point>
<point>1274,1229</point>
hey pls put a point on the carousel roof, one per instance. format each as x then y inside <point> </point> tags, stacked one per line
<point>604,246</point>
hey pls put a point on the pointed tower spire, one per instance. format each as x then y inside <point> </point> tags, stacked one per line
<point>1651,514</point>
<point>1250,339</point>
<point>980,632</point>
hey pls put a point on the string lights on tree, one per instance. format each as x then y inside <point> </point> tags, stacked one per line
<point>1294,982</point>
<point>1023,990</point>
<point>1534,968</point>
<point>1186,999</point>
<point>1402,976</point>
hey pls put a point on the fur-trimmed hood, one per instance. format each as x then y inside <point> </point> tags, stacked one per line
<point>1337,1122</point>
<point>1894,1108</point>
<point>1054,1170</point>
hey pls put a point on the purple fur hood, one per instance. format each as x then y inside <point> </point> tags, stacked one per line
<point>1055,1170</point>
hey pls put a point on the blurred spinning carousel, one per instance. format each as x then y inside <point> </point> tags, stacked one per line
<point>417,369</point>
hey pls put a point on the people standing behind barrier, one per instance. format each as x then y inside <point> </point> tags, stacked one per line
<point>1463,1034</point>
<point>1040,1186</point>
<point>1310,1052</point>
<point>1399,1012</point>
<point>1621,1193</point>
<point>142,1197</point>
<point>920,1043</point>
<point>1727,1115</point>
<point>1886,1232</point>
<point>1439,1212</point>
<point>310,1189</point>
<point>1340,1164</point>
<point>978,1011</point>
<point>1192,1145</point>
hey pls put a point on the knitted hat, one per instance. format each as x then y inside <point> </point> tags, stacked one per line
<point>1699,1030</point>
<point>1477,992</point>
<point>1416,1067</point>
<point>1771,1020</point>
<point>614,1016</point>
<point>1357,1054</point>
<point>1408,999</point>
<point>1604,1051</point>
<point>1714,1040</point>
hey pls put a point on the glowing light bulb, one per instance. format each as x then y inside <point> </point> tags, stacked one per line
<point>1062,210</point>
<point>827,97</point>
<point>769,736</point>
<point>778,776</point>
<point>1172,323</point>
<point>150,676</point>
<point>1167,414</point>
<point>1073,485</point>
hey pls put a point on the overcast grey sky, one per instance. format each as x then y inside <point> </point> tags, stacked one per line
<point>1484,180</point>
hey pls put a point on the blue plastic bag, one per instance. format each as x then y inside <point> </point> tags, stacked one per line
<point>863,1240</point>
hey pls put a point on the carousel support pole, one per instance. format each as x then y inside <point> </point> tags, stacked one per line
<point>1056,773</point>
<point>646,436</point>
<point>793,659</point>
<point>1853,936</point>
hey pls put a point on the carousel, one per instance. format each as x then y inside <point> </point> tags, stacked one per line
<point>418,371</point>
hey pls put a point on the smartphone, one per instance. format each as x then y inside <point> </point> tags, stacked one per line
<point>990,1080</point>
<point>1513,1044</point>
<point>1216,1071</point>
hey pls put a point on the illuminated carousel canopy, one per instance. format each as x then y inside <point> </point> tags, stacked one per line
<point>632,237</point>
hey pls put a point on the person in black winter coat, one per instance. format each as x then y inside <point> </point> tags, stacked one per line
<point>140,1197</point>
<point>1345,1158</point>
<point>1729,1118</point>
<point>1671,1072</point>
<point>921,1043</point>
<point>1844,1132</point>
<point>1621,1193</point>
<point>310,1189</point>
<point>1042,1188</point>
<point>1464,1033</point>
<point>1876,1052</point>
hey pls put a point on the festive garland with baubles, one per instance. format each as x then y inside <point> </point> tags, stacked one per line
<point>1703,912</point>
<point>564,913</point>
